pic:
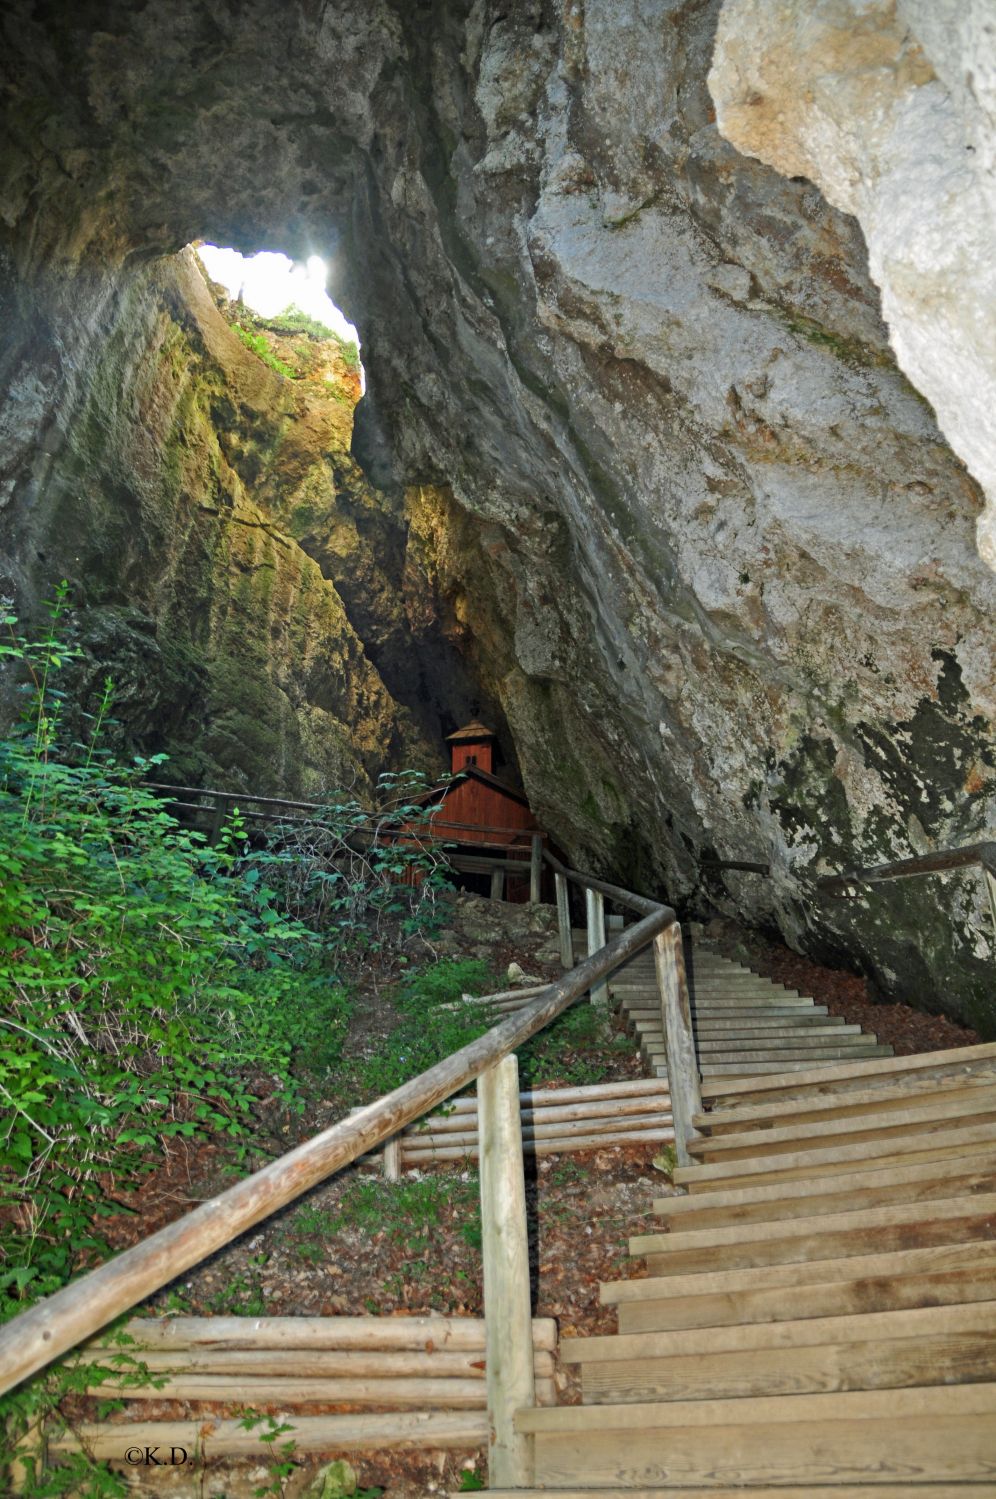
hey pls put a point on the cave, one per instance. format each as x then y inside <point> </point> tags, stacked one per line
<point>657,466</point>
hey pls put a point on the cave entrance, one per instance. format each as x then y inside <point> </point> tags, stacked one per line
<point>279,307</point>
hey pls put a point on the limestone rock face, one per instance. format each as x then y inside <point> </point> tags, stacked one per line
<point>641,459</point>
<point>890,107</point>
<point>172,508</point>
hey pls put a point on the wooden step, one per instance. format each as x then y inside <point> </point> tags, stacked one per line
<point>840,1298</point>
<point>820,1491</point>
<point>800,1332</point>
<point>960,1061</point>
<point>764,1170</point>
<point>730,1014</point>
<point>929,1118</point>
<point>763,1035</point>
<point>931,1434</point>
<point>933,1259</point>
<point>800,1199</point>
<point>788,1040</point>
<point>739,1072</point>
<point>887,1350</point>
<point>870,1231</point>
<point>750,1055</point>
<point>761,1025</point>
<point>827,1106</point>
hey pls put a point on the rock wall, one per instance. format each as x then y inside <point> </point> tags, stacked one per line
<point>642,450</point>
<point>173,506</point>
<point>891,109</point>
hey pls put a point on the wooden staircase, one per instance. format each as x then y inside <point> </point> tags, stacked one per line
<point>744,1024</point>
<point>819,1314</point>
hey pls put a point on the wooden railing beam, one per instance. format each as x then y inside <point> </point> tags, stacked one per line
<point>535,868</point>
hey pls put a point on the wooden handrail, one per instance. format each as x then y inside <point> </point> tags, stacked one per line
<point>640,903</point>
<point>58,1323</point>
<point>973,855</point>
<point>747,866</point>
<point>941,861</point>
<point>672,982</point>
<point>435,822</point>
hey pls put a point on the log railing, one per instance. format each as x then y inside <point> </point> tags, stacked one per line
<point>510,851</point>
<point>847,886</point>
<point>941,861</point>
<point>672,981</point>
<point>62,1321</point>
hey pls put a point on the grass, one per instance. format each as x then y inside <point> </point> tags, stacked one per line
<point>427,1031</point>
<point>407,1212</point>
<point>576,1049</point>
<point>256,344</point>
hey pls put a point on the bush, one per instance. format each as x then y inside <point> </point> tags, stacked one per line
<point>153,986</point>
<point>294,319</point>
<point>345,870</point>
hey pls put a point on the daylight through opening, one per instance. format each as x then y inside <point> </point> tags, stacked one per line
<point>276,299</point>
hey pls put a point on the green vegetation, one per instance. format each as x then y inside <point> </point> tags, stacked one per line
<point>257,344</point>
<point>406,1212</point>
<point>429,1031</point>
<point>291,323</point>
<point>574,1050</point>
<point>154,987</point>
<point>294,320</point>
<point>350,355</point>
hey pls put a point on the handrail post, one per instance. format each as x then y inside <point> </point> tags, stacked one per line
<point>218,817</point>
<point>392,1159</point>
<point>497,884</point>
<point>679,1038</point>
<point>564,921</point>
<point>535,868</point>
<point>594,903</point>
<point>505,1251</point>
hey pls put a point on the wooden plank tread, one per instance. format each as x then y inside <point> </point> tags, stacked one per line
<point>803,1332</point>
<point>811,1491</point>
<point>925,1402</point>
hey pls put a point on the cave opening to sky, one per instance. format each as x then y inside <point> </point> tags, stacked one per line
<point>272,284</point>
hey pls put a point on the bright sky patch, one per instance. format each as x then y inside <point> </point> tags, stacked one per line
<point>271,282</point>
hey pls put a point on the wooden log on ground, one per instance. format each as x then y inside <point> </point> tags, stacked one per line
<point>605,1111</point>
<point>630,1087</point>
<point>291,1391</point>
<point>560,1145</point>
<point>457,1334</point>
<point>405,1430</point>
<point>315,1363</point>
